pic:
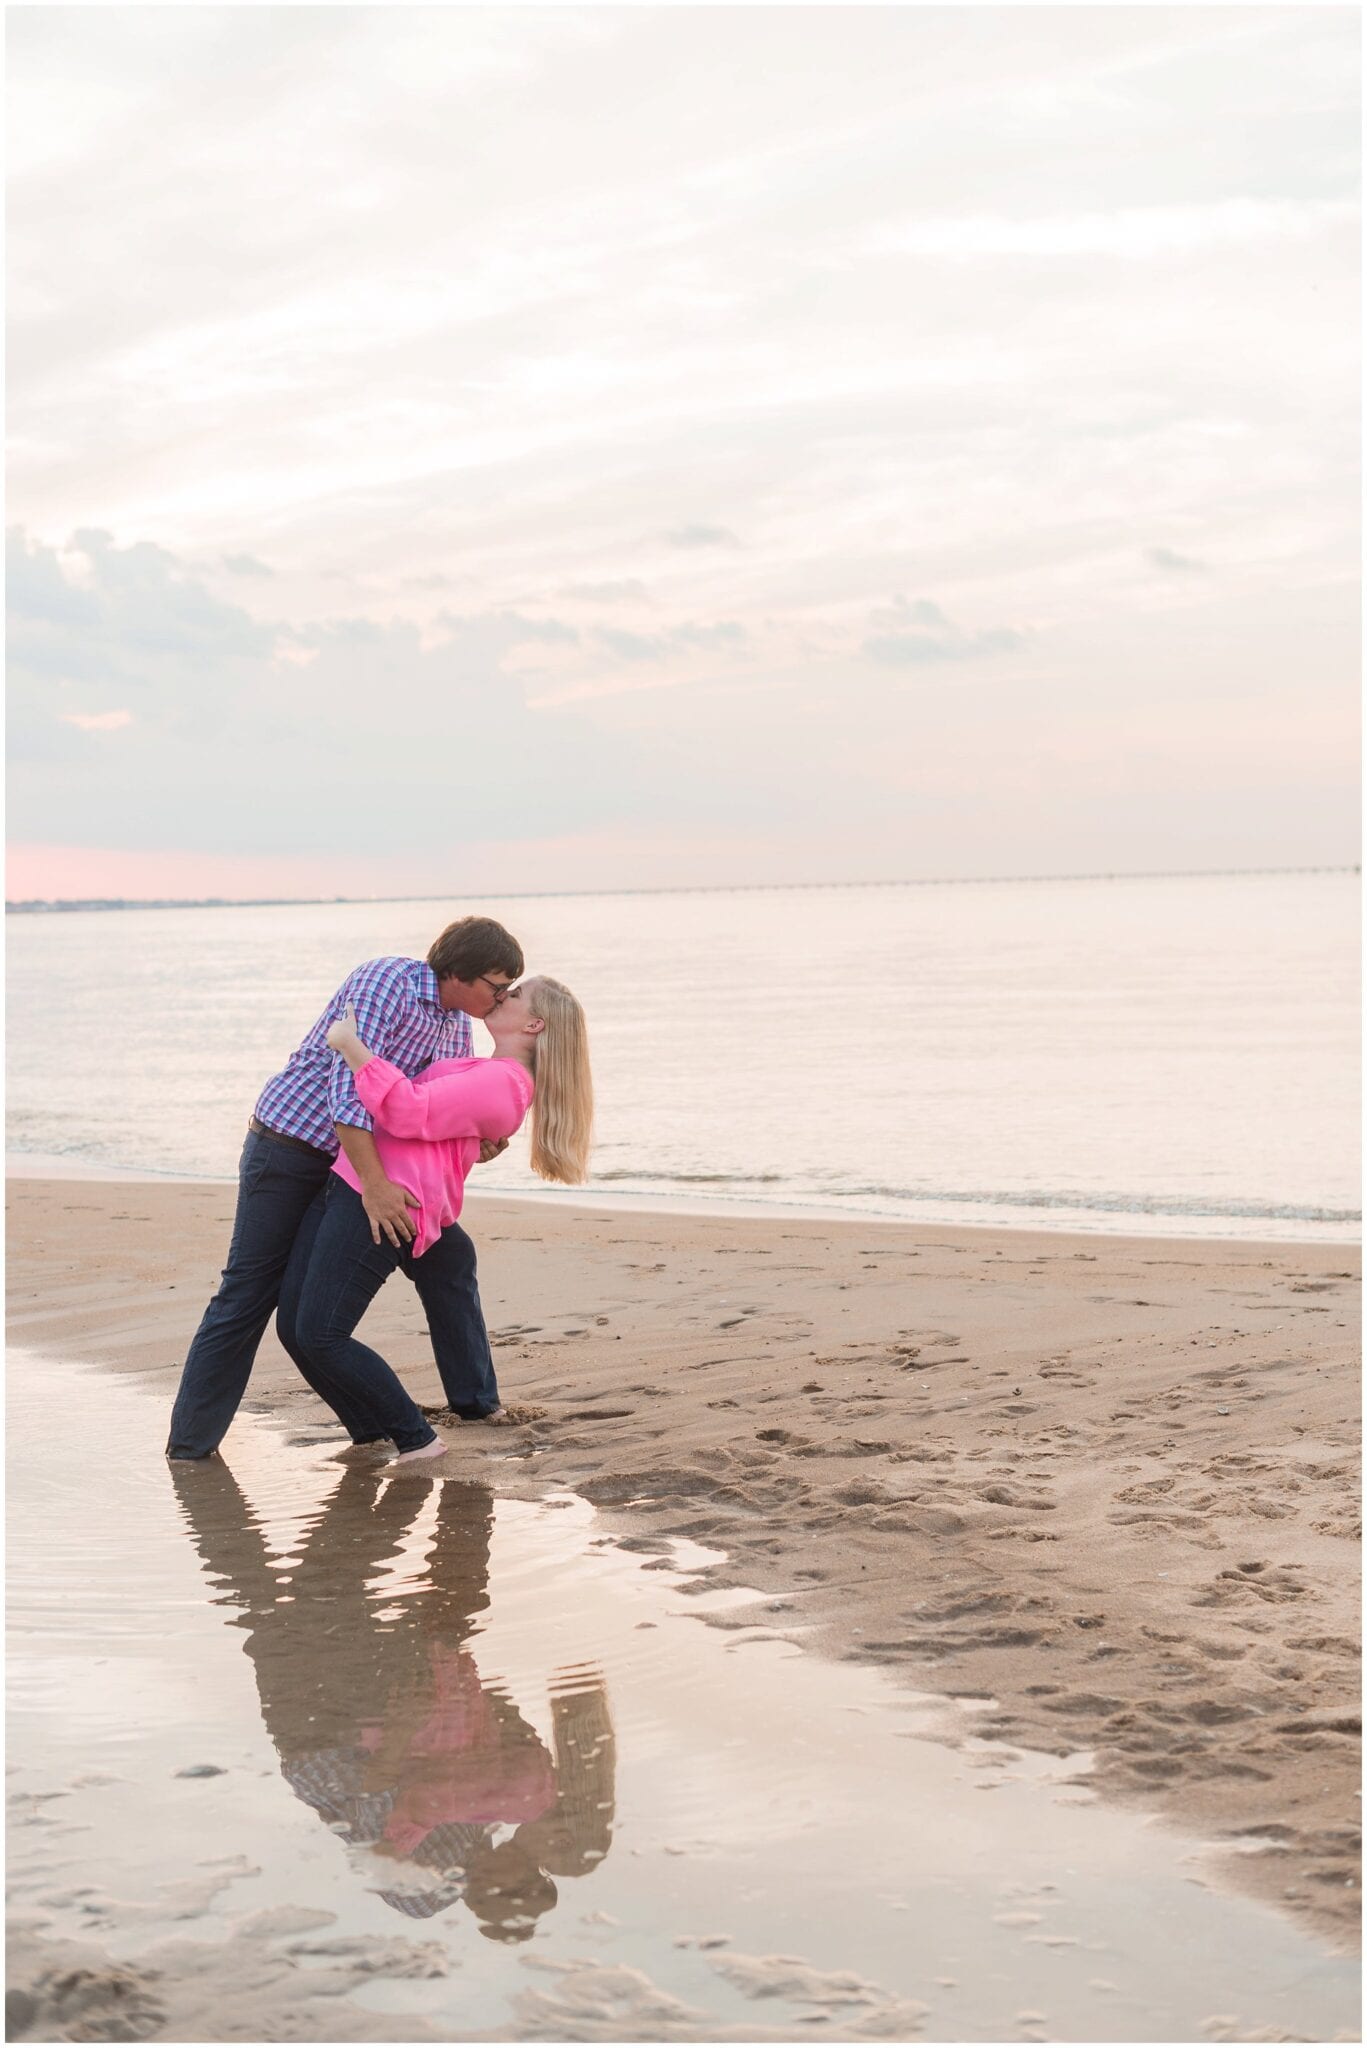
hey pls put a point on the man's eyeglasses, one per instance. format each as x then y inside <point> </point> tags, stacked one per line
<point>500,988</point>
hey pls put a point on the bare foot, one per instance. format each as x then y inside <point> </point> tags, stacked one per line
<point>436,1449</point>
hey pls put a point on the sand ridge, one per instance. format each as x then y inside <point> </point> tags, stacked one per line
<point>1108,1485</point>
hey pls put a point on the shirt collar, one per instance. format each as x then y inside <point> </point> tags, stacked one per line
<point>426,985</point>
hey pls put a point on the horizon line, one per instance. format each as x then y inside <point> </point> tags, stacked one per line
<point>37,904</point>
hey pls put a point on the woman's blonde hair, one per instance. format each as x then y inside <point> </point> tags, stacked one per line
<point>562,1108</point>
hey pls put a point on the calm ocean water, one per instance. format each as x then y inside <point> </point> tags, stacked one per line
<point>1176,1056</point>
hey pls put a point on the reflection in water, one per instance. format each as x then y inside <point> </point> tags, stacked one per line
<point>373,1700</point>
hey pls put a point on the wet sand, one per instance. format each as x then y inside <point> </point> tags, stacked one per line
<point>372,1744</point>
<point>1109,1485</point>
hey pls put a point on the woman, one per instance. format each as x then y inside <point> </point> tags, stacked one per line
<point>428,1133</point>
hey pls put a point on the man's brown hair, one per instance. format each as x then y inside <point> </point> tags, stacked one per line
<point>473,946</point>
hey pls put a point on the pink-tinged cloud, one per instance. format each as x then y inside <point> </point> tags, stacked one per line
<point>97,721</point>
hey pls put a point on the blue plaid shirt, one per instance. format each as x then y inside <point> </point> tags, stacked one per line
<point>400,1017</point>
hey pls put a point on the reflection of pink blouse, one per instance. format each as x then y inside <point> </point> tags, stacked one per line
<point>461,1762</point>
<point>428,1131</point>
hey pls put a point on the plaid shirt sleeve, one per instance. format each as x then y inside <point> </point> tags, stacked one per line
<point>383,996</point>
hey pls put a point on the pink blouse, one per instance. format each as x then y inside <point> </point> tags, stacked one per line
<point>428,1131</point>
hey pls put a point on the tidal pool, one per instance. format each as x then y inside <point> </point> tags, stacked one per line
<point>302,1749</point>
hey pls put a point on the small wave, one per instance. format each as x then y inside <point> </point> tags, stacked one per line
<point>78,1162</point>
<point>1122,1205</point>
<point>692,1180</point>
<point>1098,1203</point>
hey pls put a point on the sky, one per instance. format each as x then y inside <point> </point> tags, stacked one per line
<point>555,448</point>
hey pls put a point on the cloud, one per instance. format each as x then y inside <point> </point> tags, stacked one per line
<point>246,565</point>
<point>297,736</point>
<point>1134,231</point>
<point>1181,565</point>
<point>554,632</point>
<point>628,591</point>
<point>941,639</point>
<point>95,623</point>
<point>874,320</point>
<point>40,590</point>
<point>630,646</point>
<point>97,721</point>
<point>907,650</point>
<point>702,537</point>
<point>910,612</point>
<point>725,633</point>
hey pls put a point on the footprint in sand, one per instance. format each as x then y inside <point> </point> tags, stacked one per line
<point>1255,1581</point>
<point>1011,1497</point>
<point>1320,1724</point>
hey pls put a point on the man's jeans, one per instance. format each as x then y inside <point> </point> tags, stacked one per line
<point>276,1189</point>
<point>276,1184</point>
<point>334,1273</point>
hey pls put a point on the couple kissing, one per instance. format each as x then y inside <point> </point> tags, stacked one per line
<point>355,1163</point>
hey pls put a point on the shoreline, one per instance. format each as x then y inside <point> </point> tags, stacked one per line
<point>1104,1484</point>
<point>25,1166</point>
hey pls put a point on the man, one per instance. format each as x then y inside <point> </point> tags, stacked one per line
<point>410,1013</point>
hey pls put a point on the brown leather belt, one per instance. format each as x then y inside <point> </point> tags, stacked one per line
<point>280,1138</point>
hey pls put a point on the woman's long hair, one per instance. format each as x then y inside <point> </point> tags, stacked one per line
<point>562,1108</point>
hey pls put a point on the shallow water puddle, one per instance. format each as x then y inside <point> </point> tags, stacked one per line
<point>306,1750</point>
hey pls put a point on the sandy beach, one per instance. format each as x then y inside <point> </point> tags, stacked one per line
<point>1109,1485</point>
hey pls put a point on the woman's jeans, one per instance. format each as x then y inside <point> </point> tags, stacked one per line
<point>335,1271</point>
<point>277,1186</point>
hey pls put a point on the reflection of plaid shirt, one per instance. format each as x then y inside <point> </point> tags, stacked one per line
<point>331,1781</point>
<point>400,1017</point>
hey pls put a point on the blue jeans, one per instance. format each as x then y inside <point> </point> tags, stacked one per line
<point>335,1271</point>
<point>276,1185</point>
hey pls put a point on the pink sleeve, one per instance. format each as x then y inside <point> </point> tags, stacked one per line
<point>486,1101</point>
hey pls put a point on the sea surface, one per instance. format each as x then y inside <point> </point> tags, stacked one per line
<point>1172,1055</point>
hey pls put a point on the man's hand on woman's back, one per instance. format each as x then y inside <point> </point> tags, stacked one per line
<point>386,1204</point>
<point>390,1209</point>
